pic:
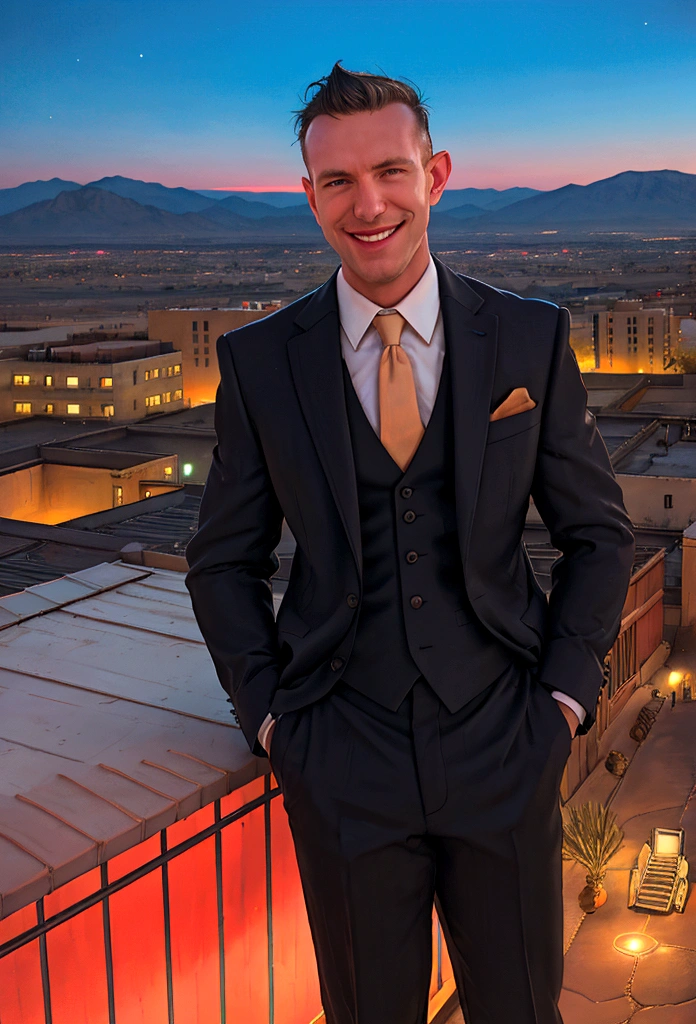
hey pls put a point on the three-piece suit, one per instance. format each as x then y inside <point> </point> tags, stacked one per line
<point>412,663</point>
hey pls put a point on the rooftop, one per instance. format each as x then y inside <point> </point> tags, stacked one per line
<point>113,723</point>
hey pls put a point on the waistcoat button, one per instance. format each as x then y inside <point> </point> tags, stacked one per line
<point>352,600</point>
<point>336,663</point>
<point>406,492</point>
<point>412,556</point>
<point>409,516</point>
<point>416,601</point>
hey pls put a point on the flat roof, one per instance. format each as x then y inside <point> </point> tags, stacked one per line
<point>114,724</point>
<point>652,457</point>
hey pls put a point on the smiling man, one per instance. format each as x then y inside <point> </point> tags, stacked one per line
<point>418,694</point>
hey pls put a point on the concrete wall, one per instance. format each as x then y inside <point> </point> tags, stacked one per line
<point>53,493</point>
<point>201,374</point>
<point>644,497</point>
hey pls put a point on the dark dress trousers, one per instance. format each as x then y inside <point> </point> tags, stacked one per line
<point>419,749</point>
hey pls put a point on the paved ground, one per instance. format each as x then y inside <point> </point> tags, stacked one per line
<point>601,985</point>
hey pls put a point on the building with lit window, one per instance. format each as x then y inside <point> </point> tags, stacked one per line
<point>120,380</point>
<point>193,333</point>
<point>631,339</point>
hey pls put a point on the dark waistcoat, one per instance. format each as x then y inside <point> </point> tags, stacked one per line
<point>415,618</point>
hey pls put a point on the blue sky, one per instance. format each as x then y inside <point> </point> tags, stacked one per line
<point>532,93</point>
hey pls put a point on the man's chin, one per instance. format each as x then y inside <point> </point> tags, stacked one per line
<point>378,271</point>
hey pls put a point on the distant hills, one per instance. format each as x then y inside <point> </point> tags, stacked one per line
<point>119,209</point>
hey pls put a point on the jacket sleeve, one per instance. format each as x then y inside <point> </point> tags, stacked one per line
<point>581,503</point>
<point>232,559</point>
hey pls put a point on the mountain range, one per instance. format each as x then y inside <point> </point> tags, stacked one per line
<point>119,209</point>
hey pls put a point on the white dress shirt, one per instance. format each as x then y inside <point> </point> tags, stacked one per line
<point>423,340</point>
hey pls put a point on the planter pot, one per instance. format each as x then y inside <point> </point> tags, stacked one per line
<point>592,897</point>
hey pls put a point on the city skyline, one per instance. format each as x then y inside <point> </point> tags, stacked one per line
<point>523,94</point>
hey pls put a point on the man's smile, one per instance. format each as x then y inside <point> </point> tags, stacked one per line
<point>378,235</point>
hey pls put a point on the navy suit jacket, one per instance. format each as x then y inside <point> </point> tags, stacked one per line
<point>284,450</point>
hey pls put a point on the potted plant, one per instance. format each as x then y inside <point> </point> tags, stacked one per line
<point>591,837</point>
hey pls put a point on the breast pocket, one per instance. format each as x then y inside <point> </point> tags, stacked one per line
<point>510,426</point>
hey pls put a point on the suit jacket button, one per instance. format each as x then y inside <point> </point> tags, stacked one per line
<point>352,600</point>
<point>416,601</point>
<point>411,557</point>
<point>406,492</point>
<point>409,515</point>
<point>336,663</point>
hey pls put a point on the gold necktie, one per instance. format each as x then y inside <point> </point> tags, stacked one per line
<point>399,420</point>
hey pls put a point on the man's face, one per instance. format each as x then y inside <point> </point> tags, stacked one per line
<point>371,187</point>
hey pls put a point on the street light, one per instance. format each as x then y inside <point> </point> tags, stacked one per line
<point>674,680</point>
<point>635,943</point>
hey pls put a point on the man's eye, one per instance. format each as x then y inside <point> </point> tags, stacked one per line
<point>394,170</point>
<point>337,181</point>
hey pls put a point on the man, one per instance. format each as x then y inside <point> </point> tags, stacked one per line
<point>418,694</point>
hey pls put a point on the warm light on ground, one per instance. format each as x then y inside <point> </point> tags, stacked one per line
<point>635,943</point>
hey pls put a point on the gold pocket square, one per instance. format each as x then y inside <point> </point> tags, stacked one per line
<point>518,400</point>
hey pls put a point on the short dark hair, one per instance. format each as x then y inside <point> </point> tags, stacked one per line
<point>351,92</point>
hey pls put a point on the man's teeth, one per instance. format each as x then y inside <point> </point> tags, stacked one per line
<point>377,238</point>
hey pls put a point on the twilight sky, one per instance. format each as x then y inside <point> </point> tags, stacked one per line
<point>200,92</point>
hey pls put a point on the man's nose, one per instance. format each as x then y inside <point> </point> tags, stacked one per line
<point>368,204</point>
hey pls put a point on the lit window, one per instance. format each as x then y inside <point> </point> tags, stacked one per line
<point>48,380</point>
<point>178,395</point>
<point>106,382</point>
<point>73,409</point>
<point>177,369</point>
<point>49,408</point>
<point>107,410</point>
<point>117,495</point>
<point>151,400</point>
<point>188,469</point>
<point>168,471</point>
<point>21,379</point>
<point>167,396</point>
<point>72,382</point>
<point>152,374</point>
<point>22,407</point>
<point>148,494</point>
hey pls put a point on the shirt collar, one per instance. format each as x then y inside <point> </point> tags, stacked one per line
<point>420,308</point>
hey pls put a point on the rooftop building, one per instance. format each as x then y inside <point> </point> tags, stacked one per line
<point>194,332</point>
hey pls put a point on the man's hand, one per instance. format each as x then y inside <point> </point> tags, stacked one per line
<point>569,715</point>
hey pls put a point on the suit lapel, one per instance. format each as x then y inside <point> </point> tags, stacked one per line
<point>315,362</point>
<point>471,337</point>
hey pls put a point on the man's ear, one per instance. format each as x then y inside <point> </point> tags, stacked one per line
<point>439,166</point>
<point>311,198</point>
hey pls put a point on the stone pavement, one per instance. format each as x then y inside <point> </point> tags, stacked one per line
<point>602,985</point>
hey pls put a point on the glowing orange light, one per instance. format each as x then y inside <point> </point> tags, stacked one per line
<point>674,678</point>
<point>635,943</point>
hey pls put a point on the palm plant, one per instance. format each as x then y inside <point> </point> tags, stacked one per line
<point>591,837</point>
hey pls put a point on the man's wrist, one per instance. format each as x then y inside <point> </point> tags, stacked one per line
<point>265,729</point>
<point>574,705</point>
